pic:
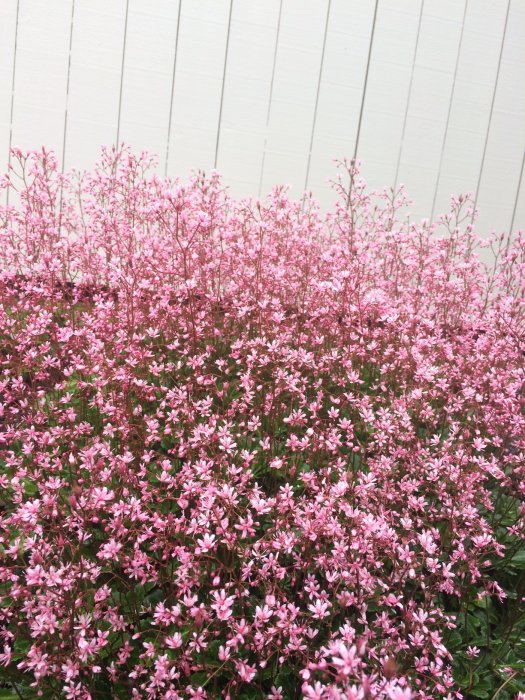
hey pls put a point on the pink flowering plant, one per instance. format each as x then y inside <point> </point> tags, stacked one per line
<point>248,450</point>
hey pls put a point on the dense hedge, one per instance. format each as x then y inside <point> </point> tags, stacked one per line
<point>249,451</point>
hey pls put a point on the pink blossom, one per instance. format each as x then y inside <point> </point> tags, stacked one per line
<point>223,604</point>
<point>245,437</point>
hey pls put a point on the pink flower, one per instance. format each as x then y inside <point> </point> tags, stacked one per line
<point>246,672</point>
<point>109,550</point>
<point>223,604</point>
<point>319,609</point>
<point>345,659</point>
<point>314,692</point>
<point>206,543</point>
<point>174,641</point>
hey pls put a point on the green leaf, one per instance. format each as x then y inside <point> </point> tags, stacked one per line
<point>30,488</point>
<point>484,602</point>
<point>518,560</point>
<point>249,694</point>
<point>454,641</point>
<point>285,680</point>
<point>199,679</point>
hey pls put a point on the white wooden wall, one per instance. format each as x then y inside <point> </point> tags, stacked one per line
<point>430,93</point>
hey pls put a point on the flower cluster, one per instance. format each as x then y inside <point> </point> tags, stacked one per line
<point>248,450</point>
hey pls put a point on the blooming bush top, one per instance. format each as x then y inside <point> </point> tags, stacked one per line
<point>250,451</point>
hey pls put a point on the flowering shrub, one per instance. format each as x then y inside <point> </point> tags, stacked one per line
<point>251,452</point>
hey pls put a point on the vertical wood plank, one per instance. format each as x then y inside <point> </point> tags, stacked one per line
<point>8,41</point>
<point>517,222</point>
<point>294,93</point>
<point>148,72</point>
<point>389,90</point>
<point>96,62</point>
<point>506,139</point>
<point>426,122</point>
<point>471,107</point>
<point>341,94</point>
<point>246,94</point>
<point>41,74</point>
<point>198,85</point>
